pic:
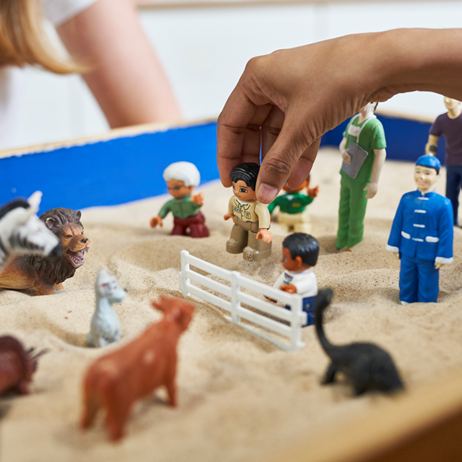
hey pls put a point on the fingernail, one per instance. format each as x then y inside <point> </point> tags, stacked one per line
<point>266,193</point>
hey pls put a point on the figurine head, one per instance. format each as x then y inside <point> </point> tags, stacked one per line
<point>304,185</point>
<point>299,252</point>
<point>244,178</point>
<point>426,173</point>
<point>368,108</point>
<point>176,310</point>
<point>107,287</point>
<point>181,178</point>
<point>451,104</point>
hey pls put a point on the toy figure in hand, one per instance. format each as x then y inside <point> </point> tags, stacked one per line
<point>365,365</point>
<point>300,253</point>
<point>250,233</point>
<point>449,125</point>
<point>181,179</point>
<point>46,274</point>
<point>293,215</point>
<point>422,235</point>
<point>363,152</point>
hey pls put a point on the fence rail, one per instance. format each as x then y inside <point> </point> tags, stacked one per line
<point>288,322</point>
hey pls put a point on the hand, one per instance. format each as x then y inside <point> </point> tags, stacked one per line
<point>198,198</point>
<point>265,235</point>
<point>285,101</point>
<point>156,221</point>
<point>438,265</point>
<point>346,157</point>
<point>313,192</point>
<point>227,216</point>
<point>289,288</point>
<point>397,255</point>
<point>371,189</point>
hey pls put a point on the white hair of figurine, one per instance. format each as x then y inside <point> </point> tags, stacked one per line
<point>183,171</point>
<point>105,325</point>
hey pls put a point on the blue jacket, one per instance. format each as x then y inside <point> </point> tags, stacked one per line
<point>423,227</point>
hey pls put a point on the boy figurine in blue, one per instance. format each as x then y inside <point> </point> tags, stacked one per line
<point>299,253</point>
<point>422,235</point>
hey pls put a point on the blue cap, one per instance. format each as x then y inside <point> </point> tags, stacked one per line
<point>429,161</point>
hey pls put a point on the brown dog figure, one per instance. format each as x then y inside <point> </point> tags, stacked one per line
<point>46,274</point>
<point>133,372</point>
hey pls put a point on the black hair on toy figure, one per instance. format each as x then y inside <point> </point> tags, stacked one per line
<point>302,245</point>
<point>366,365</point>
<point>247,172</point>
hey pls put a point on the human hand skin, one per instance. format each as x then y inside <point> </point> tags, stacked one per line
<point>287,100</point>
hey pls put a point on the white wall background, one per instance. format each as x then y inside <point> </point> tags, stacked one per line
<point>204,52</point>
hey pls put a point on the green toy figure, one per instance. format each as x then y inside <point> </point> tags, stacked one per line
<point>293,215</point>
<point>363,153</point>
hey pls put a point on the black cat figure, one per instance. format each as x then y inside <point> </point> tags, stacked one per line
<point>366,365</point>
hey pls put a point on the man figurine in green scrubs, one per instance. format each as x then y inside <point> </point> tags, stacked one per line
<point>363,152</point>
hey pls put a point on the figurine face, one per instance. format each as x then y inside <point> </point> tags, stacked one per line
<point>244,192</point>
<point>178,189</point>
<point>451,103</point>
<point>290,264</point>
<point>302,186</point>
<point>425,178</point>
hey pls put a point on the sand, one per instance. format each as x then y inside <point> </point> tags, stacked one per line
<point>240,397</point>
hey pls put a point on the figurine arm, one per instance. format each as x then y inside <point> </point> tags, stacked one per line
<point>394,241</point>
<point>230,213</point>
<point>379,160</point>
<point>432,143</point>
<point>345,156</point>
<point>445,235</point>
<point>264,221</point>
<point>198,199</point>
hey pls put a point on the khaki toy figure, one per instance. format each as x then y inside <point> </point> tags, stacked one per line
<point>250,233</point>
<point>363,152</point>
<point>181,179</point>
<point>293,215</point>
<point>449,125</point>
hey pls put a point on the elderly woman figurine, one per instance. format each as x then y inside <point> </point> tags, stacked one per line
<point>181,179</point>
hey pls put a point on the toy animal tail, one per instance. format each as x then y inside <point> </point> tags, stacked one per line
<point>321,302</point>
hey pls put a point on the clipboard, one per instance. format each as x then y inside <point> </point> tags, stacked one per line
<point>358,156</point>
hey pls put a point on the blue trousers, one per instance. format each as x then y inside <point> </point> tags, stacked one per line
<point>418,280</point>
<point>308,308</point>
<point>453,183</point>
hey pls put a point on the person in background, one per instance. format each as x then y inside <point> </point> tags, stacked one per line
<point>105,43</point>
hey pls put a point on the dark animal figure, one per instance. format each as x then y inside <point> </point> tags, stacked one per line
<point>133,372</point>
<point>17,366</point>
<point>47,274</point>
<point>366,365</point>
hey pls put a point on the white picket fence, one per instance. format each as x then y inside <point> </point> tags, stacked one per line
<point>288,336</point>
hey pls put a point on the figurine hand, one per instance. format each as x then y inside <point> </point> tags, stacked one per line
<point>289,288</point>
<point>198,198</point>
<point>156,221</point>
<point>313,192</point>
<point>397,255</point>
<point>371,189</point>
<point>346,157</point>
<point>438,265</point>
<point>265,235</point>
<point>227,216</point>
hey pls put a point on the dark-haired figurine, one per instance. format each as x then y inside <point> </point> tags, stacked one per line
<point>363,152</point>
<point>365,365</point>
<point>250,233</point>
<point>300,253</point>
<point>181,179</point>
<point>422,235</point>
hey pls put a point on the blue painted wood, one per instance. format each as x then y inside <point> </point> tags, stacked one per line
<point>108,172</point>
<point>130,168</point>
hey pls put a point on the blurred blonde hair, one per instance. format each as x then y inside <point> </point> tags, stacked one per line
<point>23,39</point>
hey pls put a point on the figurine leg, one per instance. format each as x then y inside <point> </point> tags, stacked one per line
<point>428,286</point>
<point>43,289</point>
<point>282,222</point>
<point>453,183</point>
<point>90,409</point>
<point>58,287</point>
<point>303,224</point>
<point>329,376</point>
<point>257,249</point>
<point>171,391</point>
<point>117,414</point>
<point>178,230</point>
<point>197,226</point>
<point>408,280</point>
<point>343,215</point>
<point>237,240</point>
<point>358,204</point>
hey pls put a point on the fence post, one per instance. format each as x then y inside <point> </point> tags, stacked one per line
<point>295,327</point>
<point>184,280</point>
<point>235,303</point>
